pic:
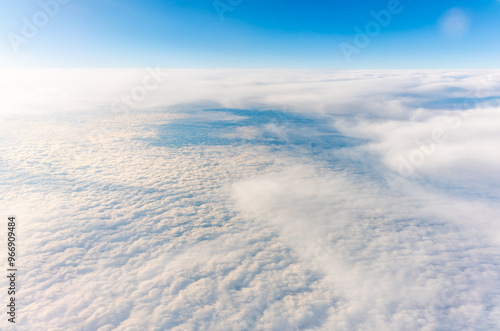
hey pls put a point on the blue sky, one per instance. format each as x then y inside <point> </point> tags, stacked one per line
<point>251,34</point>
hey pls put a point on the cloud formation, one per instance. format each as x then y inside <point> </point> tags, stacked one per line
<point>388,94</point>
<point>298,200</point>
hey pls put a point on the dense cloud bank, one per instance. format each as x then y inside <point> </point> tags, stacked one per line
<point>241,200</point>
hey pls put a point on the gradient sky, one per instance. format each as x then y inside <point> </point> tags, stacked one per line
<point>252,34</point>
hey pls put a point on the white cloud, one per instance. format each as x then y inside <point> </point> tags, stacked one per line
<point>159,222</point>
<point>380,93</point>
<point>390,258</point>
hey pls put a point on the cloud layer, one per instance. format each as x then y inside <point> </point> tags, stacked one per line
<point>266,200</point>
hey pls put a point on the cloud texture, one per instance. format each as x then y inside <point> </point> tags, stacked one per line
<point>254,200</point>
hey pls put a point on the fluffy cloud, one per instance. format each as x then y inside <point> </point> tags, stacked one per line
<point>376,93</point>
<point>291,213</point>
<point>391,260</point>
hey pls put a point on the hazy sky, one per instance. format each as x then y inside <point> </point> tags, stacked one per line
<point>250,34</point>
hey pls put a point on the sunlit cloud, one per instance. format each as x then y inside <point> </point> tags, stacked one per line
<point>238,199</point>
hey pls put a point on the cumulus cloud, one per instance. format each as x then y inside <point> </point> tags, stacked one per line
<point>456,145</point>
<point>242,200</point>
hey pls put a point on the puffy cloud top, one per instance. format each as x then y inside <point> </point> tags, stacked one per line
<point>242,200</point>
